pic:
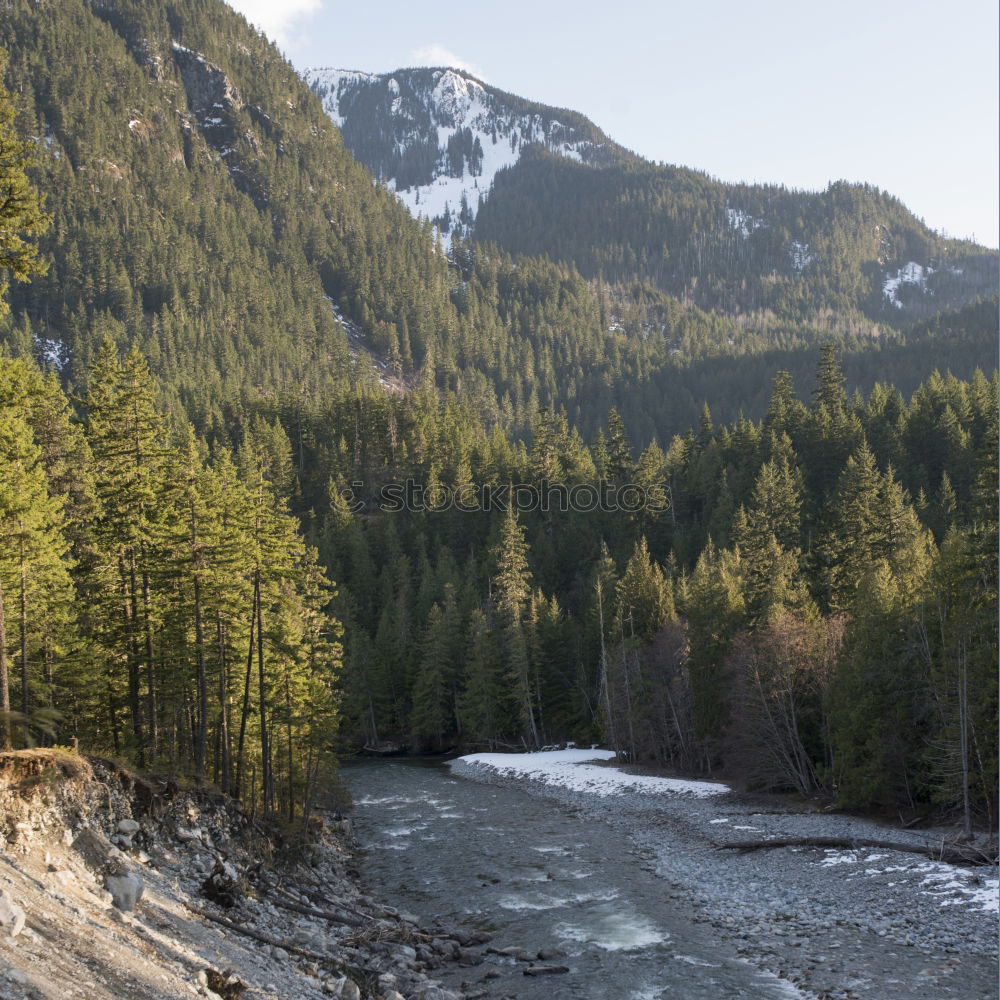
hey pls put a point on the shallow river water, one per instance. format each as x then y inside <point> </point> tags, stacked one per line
<point>537,875</point>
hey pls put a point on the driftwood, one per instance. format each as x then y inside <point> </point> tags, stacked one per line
<point>341,907</point>
<point>953,854</point>
<point>340,966</point>
<point>309,911</point>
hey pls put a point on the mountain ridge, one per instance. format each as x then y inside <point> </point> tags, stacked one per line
<point>729,246</point>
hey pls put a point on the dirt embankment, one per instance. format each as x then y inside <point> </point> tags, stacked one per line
<point>116,887</point>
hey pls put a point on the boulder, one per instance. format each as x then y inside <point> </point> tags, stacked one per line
<point>547,954</point>
<point>94,848</point>
<point>11,915</point>
<point>126,890</point>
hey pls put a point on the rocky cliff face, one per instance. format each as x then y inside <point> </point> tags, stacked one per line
<point>116,887</point>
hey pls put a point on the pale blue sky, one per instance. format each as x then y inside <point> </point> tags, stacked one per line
<point>902,95</point>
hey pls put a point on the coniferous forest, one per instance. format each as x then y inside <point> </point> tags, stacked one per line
<point>227,355</point>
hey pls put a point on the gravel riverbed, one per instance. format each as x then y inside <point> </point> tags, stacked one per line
<point>864,923</point>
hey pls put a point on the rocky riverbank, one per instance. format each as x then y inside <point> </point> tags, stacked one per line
<point>115,887</point>
<point>844,923</point>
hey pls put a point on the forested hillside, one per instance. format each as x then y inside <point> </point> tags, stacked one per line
<point>786,588</point>
<point>199,456</point>
<point>736,248</point>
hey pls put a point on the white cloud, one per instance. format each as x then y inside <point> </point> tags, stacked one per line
<point>276,20</point>
<point>437,55</point>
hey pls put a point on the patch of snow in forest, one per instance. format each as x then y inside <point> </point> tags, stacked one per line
<point>572,769</point>
<point>800,255</point>
<point>53,351</point>
<point>456,102</point>
<point>334,82</point>
<point>743,222</point>
<point>910,273</point>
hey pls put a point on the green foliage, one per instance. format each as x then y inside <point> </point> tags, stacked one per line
<point>134,573</point>
<point>22,220</point>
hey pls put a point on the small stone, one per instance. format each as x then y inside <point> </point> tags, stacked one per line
<point>17,976</point>
<point>128,827</point>
<point>279,953</point>
<point>350,990</point>
<point>11,915</point>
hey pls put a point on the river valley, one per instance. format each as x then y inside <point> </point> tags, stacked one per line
<point>644,908</point>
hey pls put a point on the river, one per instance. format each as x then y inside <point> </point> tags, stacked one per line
<point>536,875</point>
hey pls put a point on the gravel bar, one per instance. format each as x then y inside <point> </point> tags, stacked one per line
<point>844,924</point>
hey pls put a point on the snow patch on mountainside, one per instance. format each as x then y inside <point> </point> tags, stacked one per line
<point>337,81</point>
<point>910,273</point>
<point>465,115</point>
<point>800,256</point>
<point>743,222</point>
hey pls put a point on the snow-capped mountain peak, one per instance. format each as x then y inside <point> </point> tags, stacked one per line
<point>438,137</point>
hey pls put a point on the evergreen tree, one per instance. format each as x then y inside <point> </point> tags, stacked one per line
<point>22,220</point>
<point>511,594</point>
<point>35,587</point>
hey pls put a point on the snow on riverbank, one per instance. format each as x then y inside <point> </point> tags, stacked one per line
<point>575,770</point>
<point>947,884</point>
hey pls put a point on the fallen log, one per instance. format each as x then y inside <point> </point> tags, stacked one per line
<point>293,949</point>
<point>952,854</point>
<point>310,911</point>
<point>318,897</point>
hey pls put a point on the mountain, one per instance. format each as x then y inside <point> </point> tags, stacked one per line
<point>439,137</point>
<point>204,208</point>
<point>310,344</point>
<point>544,181</point>
<point>208,210</point>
